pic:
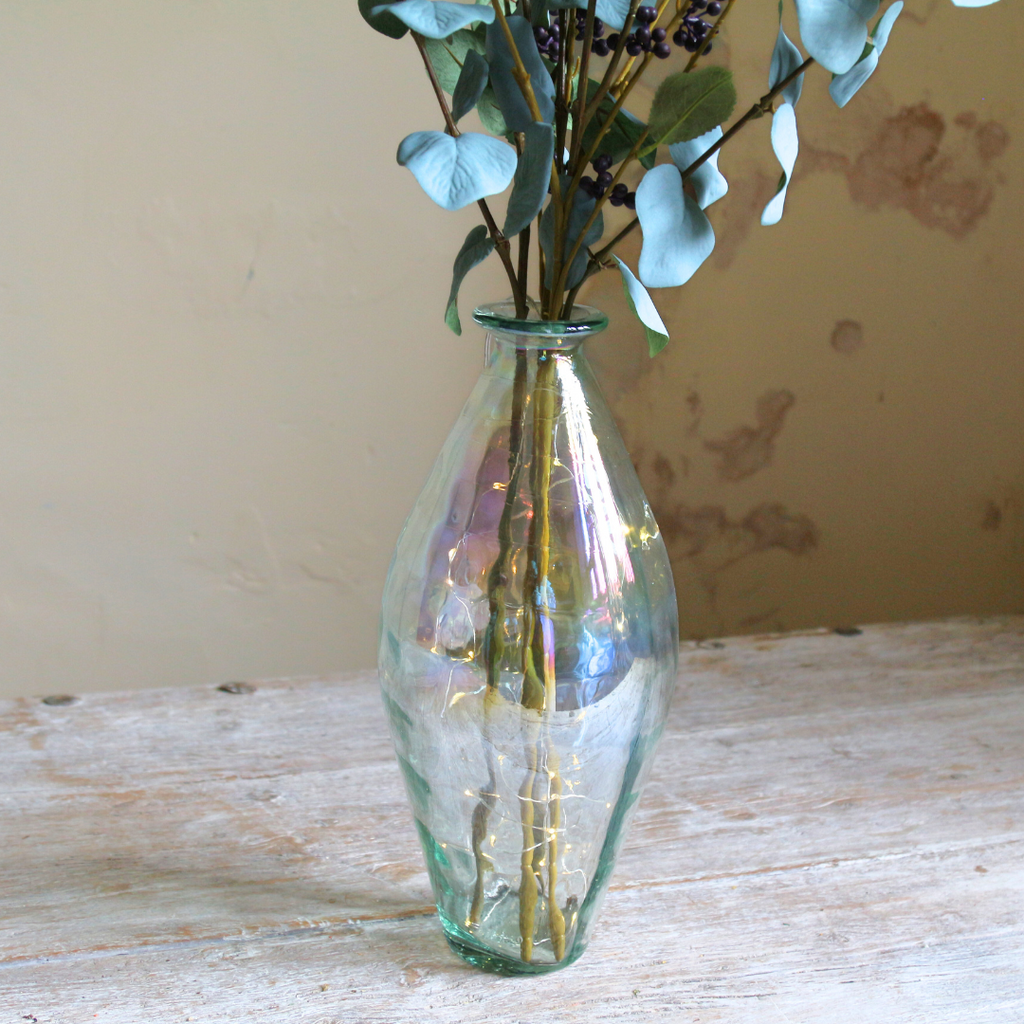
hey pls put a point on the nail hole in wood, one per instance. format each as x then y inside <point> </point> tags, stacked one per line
<point>848,631</point>
<point>237,688</point>
<point>61,700</point>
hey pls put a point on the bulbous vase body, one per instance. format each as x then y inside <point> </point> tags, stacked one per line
<point>528,651</point>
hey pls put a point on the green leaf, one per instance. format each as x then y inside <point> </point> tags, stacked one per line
<point>510,97</point>
<point>470,86</point>
<point>476,248</point>
<point>688,105</point>
<point>533,176</point>
<point>448,55</point>
<point>385,22</point>
<point>621,137</point>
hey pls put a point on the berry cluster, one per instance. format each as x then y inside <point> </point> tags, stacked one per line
<point>643,39</point>
<point>621,196</point>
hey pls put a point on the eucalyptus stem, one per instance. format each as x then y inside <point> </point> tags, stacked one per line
<point>759,109</point>
<point>501,243</point>
<point>706,42</point>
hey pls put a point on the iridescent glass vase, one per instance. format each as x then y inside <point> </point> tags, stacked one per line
<point>528,650</point>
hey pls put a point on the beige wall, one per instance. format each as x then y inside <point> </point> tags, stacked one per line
<point>224,374</point>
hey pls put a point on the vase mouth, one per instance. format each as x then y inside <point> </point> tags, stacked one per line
<point>500,318</point>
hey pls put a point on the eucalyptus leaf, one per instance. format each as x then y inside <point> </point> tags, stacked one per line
<point>385,22</point>
<point>533,176</point>
<point>678,236</point>
<point>436,19</point>
<point>622,135</point>
<point>612,12</point>
<point>582,207</point>
<point>834,31</point>
<point>688,105</point>
<point>489,112</point>
<point>786,145</point>
<point>447,56</point>
<point>642,306</point>
<point>476,248</point>
<point>511,100</point>
<point>844,87</point>
<point>708,181</point>
<point>455,172</point>
<point>471,84</point>
<point>786,58</point>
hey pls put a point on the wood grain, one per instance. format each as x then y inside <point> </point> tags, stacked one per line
<point>833,832</point>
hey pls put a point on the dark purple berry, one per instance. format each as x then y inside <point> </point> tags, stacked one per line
<point>714,8</point>
<point>645,15</point>
<point>598,28</point>
<point>633,48</point>
<point>580,35</point>
<point>613,40</point>
<point>602,162</point>
<point>541,34</point>
<point>615,200</point>
<point>658,35</point>
<point>662,50</point>
<point>620,190</point>
<point>679,37</point>
<point>555,29</point>
<point>630,201</point>
<point>600,47</point>
<point>604,179</point>
<point>642,34</point>
<point>690,46</point>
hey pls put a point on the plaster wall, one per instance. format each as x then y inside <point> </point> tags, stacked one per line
<point>224,372</point>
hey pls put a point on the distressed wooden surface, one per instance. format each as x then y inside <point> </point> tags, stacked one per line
<point>833,832</point>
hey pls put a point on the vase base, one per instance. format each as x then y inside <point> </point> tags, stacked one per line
<point>496,963</point>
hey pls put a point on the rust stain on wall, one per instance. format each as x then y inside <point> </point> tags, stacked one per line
<point>745,450</point>
<point>715,541</point>
<point>912,162</point>
<point>847,336</point>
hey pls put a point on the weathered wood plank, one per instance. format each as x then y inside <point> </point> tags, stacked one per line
<point>202,845</point>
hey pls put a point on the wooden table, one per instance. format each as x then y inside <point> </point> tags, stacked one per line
<point>834,832</point>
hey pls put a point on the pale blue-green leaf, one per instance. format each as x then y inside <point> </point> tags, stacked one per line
<point>844,87</point>
<point>582,207</point>
<point>880,33</point>
<point>643,308</point>
<point>533,176</point>
<point>786,145</point>
<point>506,89</point>
<point>678,237</point>
<point>611,12</point>
<point>688,105</point>
<point>457,172</point>
<point>834,31</point>
<point>786,58</point>
<point>471,84</point>
<point>708,181</point>
<point>973,3</point>
<point>385,23</point>
<point>435,19</point>
<point>476,248</point>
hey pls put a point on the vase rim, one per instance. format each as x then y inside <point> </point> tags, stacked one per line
<point>500,317</point>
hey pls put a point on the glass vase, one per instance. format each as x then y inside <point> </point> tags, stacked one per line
<point>528,650</point>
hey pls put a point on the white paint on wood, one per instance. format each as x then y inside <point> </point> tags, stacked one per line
<point>834,831</point>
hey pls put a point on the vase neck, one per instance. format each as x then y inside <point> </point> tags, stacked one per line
<point>505,330</point>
